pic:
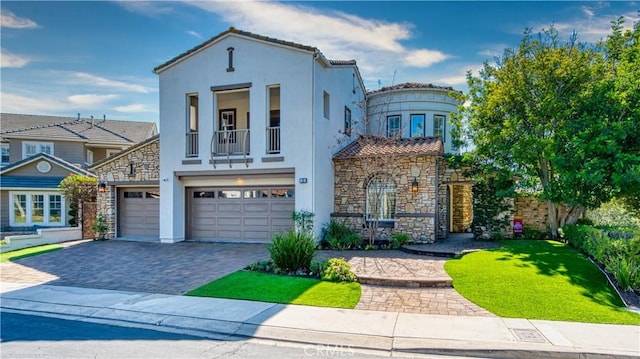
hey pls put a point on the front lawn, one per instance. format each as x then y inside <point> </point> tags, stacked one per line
<point>28,252</point>
<point>281,289</point>
<point>538,280</point>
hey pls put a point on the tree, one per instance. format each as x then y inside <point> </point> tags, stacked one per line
<point>78,189</point>
<point>562,117</point>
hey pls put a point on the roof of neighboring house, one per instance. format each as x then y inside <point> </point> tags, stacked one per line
<point>124,152</point>
<point>10,182</point>
<point>272,40</point>
<point>370,146</point>
<point>411,86</point>
<point>56,160</point>
<point>75,129</point>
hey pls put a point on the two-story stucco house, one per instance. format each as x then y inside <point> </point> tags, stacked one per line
<point>249,125</point>
<point>39,151</point>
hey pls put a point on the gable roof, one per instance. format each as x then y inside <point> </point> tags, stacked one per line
<point>232,30</point>
<point>412,86</point>
<point>56,160</point>
<point>75,129</point>
<point>104,161</point>
<point>371,146</point>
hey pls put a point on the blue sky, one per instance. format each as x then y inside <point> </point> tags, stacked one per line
<point>96,58</point>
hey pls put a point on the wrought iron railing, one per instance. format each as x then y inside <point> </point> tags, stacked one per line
<point>230,142</point>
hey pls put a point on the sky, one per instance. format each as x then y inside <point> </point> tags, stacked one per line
<point>96,58</point>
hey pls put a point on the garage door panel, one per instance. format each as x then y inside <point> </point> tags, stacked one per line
<point>244,218</point>
<point>138,216</point>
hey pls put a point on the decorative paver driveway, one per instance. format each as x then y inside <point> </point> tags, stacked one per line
<point>134,266</point>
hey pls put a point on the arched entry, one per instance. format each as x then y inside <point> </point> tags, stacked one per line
<point>460,200</point>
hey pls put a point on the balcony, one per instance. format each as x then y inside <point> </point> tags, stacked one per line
<point>273,140</point>
<point>230,143</point>
<point>192,144</point>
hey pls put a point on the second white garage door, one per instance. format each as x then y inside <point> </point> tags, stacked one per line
<point>244,214</point>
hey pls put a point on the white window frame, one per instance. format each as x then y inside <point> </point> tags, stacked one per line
<point>395,132</point>
<point>387,191</point>
<point>5,146</point>
<point>29,198</point>
<point>111,152</point>
<point>437,120</point>
<point>39,146</point>
<point>89,157</point>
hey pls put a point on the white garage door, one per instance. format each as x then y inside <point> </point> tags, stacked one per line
<point>247,214</point>
<point>139,212</point>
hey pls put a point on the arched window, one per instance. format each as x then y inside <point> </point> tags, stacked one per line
<point>381,199</point>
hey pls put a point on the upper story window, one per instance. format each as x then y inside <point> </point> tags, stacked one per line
<point>439,123</point>
<point>230,67</point>
<point>417,125</point>
<point>33,148</point>
<point>192,125</point>
<point>5,154</point>
<point>111,152</point>
<point>273,126</point>
<point>347,121</point>
<point>89,156</point>
<point>393,126</point>
<point>327,101</point>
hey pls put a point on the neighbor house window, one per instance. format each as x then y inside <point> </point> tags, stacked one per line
<point>417,125</point>
<point>192,125</point>
<point>33,148</point>
<point>381,199</point>
<point>393,126</point>
<point>439,126</point>
<point>89,156</point>
<point>5,154</point>
<point>44,209</point>
<point>112,152</point>
<point>347,121</point>
<point>327,101</point>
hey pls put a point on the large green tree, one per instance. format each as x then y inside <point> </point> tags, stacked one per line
<point>563,117</point>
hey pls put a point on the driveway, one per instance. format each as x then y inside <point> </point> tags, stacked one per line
<point>134,266</point>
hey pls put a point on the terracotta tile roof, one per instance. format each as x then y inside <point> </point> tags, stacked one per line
<point>233,30</point>
<point>411,85</point>
<point>74,129</point>
<point>370,146</point>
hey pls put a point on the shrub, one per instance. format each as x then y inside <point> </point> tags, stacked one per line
<point>292,250</point>
<point>338,270</point>
<point>535,234</point>
<point>265,266</point>
<point>627,273</point>
<point>338,235</point>
<point>100,228</point>
<point>303,221</point>
<point>398,240</point>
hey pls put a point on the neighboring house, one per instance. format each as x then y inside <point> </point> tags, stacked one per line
<point>39,151</point>
<point>130,201</point>
<point>249,125</point>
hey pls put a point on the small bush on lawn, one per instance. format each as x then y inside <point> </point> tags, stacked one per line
<point>338,270</point>
<point>338,235</point>
<point>292,250</point>
<point>535,234</point>
<point>399,239</point>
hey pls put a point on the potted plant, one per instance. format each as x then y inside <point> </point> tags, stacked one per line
<point>100,228</point>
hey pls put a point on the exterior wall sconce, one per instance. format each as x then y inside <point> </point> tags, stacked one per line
<point>102,187</point>
<point>414,186</point>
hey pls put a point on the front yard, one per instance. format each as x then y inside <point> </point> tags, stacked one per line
<point>538,280</point>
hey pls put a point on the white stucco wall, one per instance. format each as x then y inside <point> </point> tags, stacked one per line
<point>406,102</point>
<point>307,142</point>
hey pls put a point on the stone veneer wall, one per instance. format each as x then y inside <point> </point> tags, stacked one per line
<point>146,162</point>
<point>533,211</point>
<point>415,213</point>
<point>461,208</point>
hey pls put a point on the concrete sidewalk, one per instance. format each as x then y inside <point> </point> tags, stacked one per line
<point>384,331</point>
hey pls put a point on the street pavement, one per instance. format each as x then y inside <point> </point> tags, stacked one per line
<point>387,332</point>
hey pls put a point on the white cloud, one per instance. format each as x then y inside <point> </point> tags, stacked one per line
<point>12,21</point>
<point>149,8</point>
<point>90,99</point>
<point>94,80</point>
<point>14,103</point>
<point>8,59</point>
<point>588,11</point>
<point>591,25</point>
<point>135,108</point>
<point>194,34</point>
<point>459,75</point>
<point>424,58</point>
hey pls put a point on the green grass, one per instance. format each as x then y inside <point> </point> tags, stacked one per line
<point>28,252</point>
<point>538,280</point>
<point>281,289</point>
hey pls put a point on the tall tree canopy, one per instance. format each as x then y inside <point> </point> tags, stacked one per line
<point>563,117</point>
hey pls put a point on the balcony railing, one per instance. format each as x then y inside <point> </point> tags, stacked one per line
<point>230,142</point>
<point>192,144</point>
<point>273,140</point>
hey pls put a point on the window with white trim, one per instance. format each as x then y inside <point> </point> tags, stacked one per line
<point>112,152</point>
<point>30,148</point>
<point>439,123</point>
<point>36,208</point>
<point>89,156</point>
<point>5,154</point>
<point>381,199</point>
